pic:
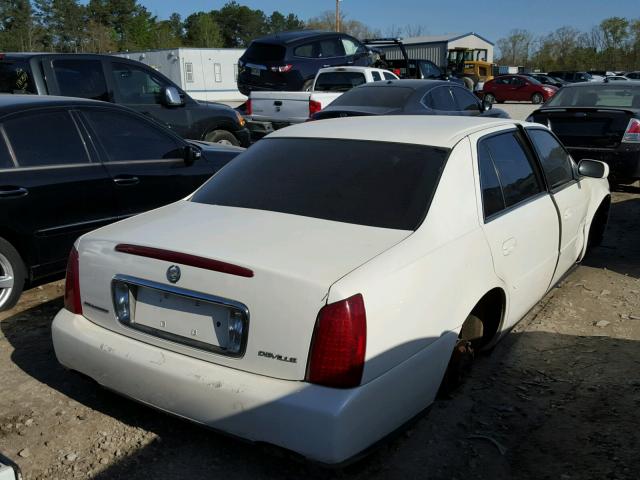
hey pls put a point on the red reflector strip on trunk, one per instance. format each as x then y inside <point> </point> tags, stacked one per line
<point>184,259</point>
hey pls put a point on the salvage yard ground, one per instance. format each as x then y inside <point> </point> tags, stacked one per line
<point>558,398</point>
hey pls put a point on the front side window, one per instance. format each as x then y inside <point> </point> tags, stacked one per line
<point>58,140</point>
<point>350,47</point>
<point>389,76</point>
<point>125,137</point>
<point>555,161</point>
<point>81,78</point>
<point>440,99</point>
<point>15,77</point>
<point>136,85</point>
<point>465,100</point>
<point>330,48</point>
<point>379,184</point>
<point>513,167</point>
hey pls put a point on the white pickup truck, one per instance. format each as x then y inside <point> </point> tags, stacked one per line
<point>285,108</point>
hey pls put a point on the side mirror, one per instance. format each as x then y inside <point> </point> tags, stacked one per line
<point>593,168</point>
<point>171,97</point>
<point>485,106</point>
<point>191,154</point>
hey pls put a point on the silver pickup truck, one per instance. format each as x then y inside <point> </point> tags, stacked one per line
<point>285,108</point>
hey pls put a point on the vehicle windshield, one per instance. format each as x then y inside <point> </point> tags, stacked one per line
<point>338,81</point>
<point>15,77</point>
<point>378,184</point>
<point>612,96</point>
<point>265,52</point>
<point>387,96</point>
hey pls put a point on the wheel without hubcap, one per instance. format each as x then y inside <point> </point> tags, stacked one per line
<point>537,98</point>
<point>12,274</point>
<point>7,280</point>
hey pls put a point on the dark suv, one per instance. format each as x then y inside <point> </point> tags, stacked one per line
<point>70,165</point>
<point>571,77</point>
<point>125,82</point>
<point>291,60</point>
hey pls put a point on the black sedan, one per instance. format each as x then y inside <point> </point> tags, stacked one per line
<point>599,121</point>
<point>409,97</point>
<point>547,79</point>
<point>68,166</point>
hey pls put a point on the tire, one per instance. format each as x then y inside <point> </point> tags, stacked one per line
<point>223,137</point>
<point>490,97</point>
<point>307,86</point>
<point>12,275</point>
<point>462,355</point>
<point>537,98</point>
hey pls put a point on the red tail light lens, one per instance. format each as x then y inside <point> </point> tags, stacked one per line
<point>282,68</point>
<point>632,134</point>
<point>72,284</point>
<point>397,71</point>
<point>314,107</point>
<point>249,107</point>
<point>339,344</point>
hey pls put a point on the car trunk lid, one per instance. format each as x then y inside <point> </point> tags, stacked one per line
<point>292,260</point>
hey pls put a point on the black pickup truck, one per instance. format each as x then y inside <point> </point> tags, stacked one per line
<point>125,82</point>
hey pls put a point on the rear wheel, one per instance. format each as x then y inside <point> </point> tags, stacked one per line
<point>12,275</point>
<point>537,98</point>
<point>223,137</point>
<point>490,97</point>
<point>469,340</point>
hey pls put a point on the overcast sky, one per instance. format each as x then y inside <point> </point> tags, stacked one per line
<point>490,18</point>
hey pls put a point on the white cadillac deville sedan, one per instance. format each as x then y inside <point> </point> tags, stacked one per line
<point>311,293</point>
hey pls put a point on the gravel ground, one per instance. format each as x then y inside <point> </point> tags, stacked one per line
<point>558,398</point>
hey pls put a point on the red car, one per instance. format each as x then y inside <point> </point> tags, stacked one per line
<point>517,88</point>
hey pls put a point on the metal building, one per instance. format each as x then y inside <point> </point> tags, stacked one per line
<point>204,73</point>
<point>436,47</point>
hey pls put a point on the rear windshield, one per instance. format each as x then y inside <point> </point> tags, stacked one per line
<point>339,81</point>
<point>378,184</point>
<point>383,97</point>
<point>15,77</point>
<point>265,52</point>
<point>612,96</point>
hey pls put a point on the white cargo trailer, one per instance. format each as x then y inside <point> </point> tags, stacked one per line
<point>204,73</point>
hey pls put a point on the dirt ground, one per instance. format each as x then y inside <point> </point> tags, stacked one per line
<point>558,398</point>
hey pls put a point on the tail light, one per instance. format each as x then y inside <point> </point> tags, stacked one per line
<point>72,284</point>
<point>282,68</point>
<point>249,107</point>
<point>397,71</point>
<point>314,107</point>
<point>632,134</point>
<point>339,343</point>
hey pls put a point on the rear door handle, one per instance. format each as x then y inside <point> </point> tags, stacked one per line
<point>126,180</point>
<point>509,246</point>
<point>13,192</point>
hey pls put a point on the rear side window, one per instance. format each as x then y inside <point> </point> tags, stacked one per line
<point>339,81</point>
<point>305,50</point>
<point>331,48</point>
<point>58,140</point>
<point>440,99</point>
<point>15,77</point>
<point>389,76</point>
<point>125,137</point>
<point>81,78</point>
<point>379,184</point>
<point>492,199</point>
<point>380,97</point>
<point>513,168</point>
<point>553,157</point>
<point>429,70</point>
<point>265,52</point>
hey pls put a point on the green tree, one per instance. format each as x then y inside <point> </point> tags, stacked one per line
<point>277,22</point>
<point>240,24</point>
<point>18,29</point>
<point>203,31</point>
<point>62,24</point>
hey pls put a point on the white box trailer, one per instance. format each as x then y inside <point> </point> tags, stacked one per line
<point>204,73</point>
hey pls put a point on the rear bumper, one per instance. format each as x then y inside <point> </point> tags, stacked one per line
<point>624,162</point>
<point>324,424</point>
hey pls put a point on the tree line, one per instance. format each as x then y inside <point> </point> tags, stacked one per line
<point>613,44</point>
<point>121,25</point>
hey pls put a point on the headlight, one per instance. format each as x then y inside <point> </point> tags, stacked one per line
<point>241,119</point>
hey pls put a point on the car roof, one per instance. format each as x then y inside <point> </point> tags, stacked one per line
<point>433,130</point>
<point>10,102</point>
<point>285,38</point>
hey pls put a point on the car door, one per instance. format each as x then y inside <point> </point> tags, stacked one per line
<point>519,219</point>
<point>57,189</point>
<point>139,88</point>
<point>518,89</point>
<point>569,196</point>
<point>145,162</point>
